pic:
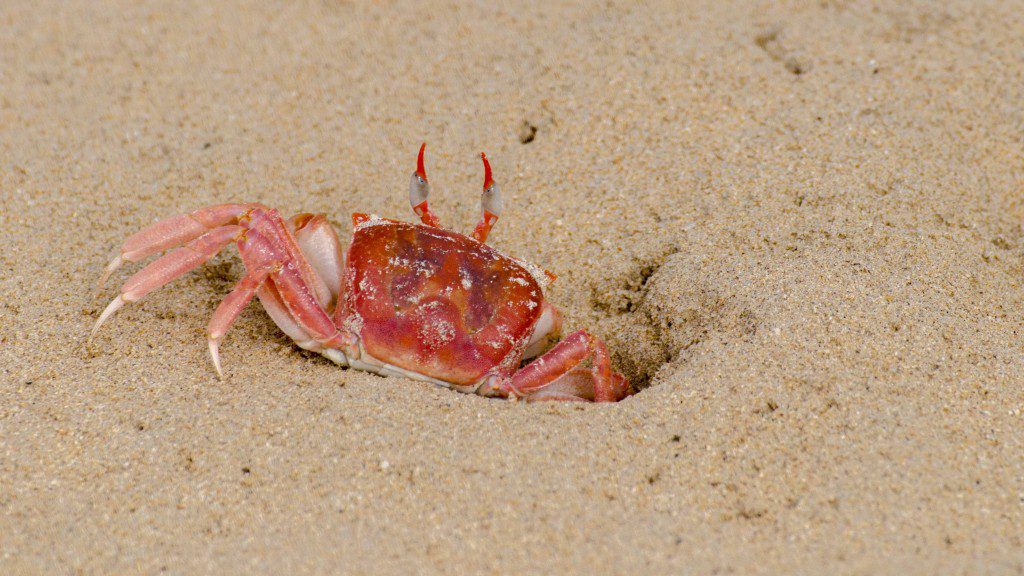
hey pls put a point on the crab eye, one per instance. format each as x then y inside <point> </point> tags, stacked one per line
<point>490,202</point>
<point>419,190</point>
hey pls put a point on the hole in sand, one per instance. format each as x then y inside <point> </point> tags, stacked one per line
<point>771,42</point>
<point>527,132</point>
<point>663,306</point>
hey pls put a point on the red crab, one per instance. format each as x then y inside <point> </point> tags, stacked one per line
<point>413,300</point>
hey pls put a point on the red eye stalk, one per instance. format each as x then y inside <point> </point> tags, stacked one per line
<point>420,170</point>
<point>488,180</point>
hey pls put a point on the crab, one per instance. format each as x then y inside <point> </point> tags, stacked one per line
<point>409,300</point>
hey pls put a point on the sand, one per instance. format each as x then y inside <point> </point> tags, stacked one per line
<point>798,225</point>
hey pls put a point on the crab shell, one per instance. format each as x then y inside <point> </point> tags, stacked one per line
<point>438,304</point>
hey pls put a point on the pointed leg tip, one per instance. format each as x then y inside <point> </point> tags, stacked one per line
<point>109,311</point>
<point>110,269</point>
<point>215,357</point>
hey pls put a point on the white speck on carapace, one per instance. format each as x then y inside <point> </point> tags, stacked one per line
<point>372,220</point>
<point>436,333</point>
<point>536,271</point>
<point>467,279</point>
<point>354,323</point>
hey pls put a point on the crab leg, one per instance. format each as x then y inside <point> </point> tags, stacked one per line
<point>229,309</point>
<point>174,231</point>
<point>262,285</point>
<point>294,288</point>
<point>556,375</point>
<point>419,192</point>
<point>490,204</point>
<point>170,266</point>
<point>288,294</point>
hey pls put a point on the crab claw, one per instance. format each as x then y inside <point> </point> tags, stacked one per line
<point>490,204</point>
<point>419,192</point>
<point>559,374</point>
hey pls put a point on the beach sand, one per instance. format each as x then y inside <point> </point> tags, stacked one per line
<point>797,224</point>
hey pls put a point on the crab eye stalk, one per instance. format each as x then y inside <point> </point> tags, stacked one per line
<point>419,192</point>
<point>490,204</point>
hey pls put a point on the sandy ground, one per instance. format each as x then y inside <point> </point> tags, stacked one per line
<point>797,224</point>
